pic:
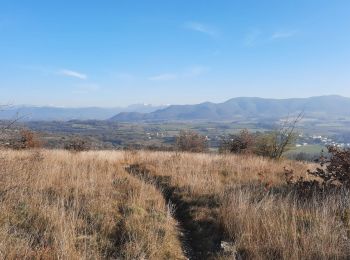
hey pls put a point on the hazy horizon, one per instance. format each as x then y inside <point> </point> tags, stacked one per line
<point>117,53</point>
<point>9,105</point>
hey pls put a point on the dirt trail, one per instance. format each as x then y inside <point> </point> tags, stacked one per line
<point>200,238</point>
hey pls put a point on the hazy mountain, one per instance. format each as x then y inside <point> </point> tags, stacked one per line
<point>246,107</point>
<point>47,113</point>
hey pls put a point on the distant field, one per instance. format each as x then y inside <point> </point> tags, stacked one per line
<point>116,135</point>
<point>162,205</point>
<point>108,135</point>
<point>308,149</point>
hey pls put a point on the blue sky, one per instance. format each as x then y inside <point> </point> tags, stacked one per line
<point>115,53</point>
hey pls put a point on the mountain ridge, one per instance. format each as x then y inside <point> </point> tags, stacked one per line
<point>246,107</point>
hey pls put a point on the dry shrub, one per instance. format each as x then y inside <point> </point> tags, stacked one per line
<point>26,139</point>
<point>77,145</point>
<point>243,143</point>
<point>335,169</point>
<point>274,144</point>
<point>333,174</point>
<point>271,144</point>
<point>190,141</point>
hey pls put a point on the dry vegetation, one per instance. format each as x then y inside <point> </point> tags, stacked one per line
<point>93,205</point>
<point>244,201</point>
<point>63,205</point>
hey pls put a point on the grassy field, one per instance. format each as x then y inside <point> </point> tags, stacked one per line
<point>162,205</point>
<point>312,151</point>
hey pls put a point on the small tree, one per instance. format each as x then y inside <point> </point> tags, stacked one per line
<point>191,141</point>
<point>242,143</point>
<point>8,137</point>
<point>277,142</point>
<point>274,144</point>
<point>7,124</point>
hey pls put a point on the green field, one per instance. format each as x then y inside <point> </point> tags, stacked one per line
<point>308,152</point>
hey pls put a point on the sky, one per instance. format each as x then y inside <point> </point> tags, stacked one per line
<point>110,53</point>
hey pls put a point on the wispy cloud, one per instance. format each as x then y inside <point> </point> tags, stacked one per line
<point>163,77</point>
<point>73,74</point>
<point>202,28</point>
<point>256,36</point>
<point>283,34</point>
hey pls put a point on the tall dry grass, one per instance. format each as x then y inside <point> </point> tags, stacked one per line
<point>261,217</point>
<point>62,205</point>
<point>269,226</point>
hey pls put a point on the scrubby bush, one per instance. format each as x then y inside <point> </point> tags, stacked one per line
<point>336,168</point>
<point>274,144</point>
<point>29,139</point>
<point>26,139</point>
<point>77,145</point>
<point>191,141</point>
<point>270,144</point>
<point>242,143</point>
<point>333,174</point>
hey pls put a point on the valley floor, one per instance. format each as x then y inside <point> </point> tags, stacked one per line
<point>162,205</point>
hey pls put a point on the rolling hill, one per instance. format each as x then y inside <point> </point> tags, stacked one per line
<point>321,107</point>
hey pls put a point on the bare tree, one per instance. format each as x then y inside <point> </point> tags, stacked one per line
<point>6,125</point>
<point>191,141</point>
<point>277,142</point>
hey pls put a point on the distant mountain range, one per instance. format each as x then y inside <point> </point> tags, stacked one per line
<point>241,108</point>
<point>322,107</point>
<point>48,113</point>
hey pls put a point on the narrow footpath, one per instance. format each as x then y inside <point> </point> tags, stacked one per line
<point>200,239</point>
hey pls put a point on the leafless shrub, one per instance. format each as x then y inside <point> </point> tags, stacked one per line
<point>26,139</point>
<point>333,174</point>
<point>77,145</point>
<point>9,123</point>
<point>191,141</point>
<point>242,143</point>
<point>30,139</point>
<point>274,144</point>
<point>336,168</point>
